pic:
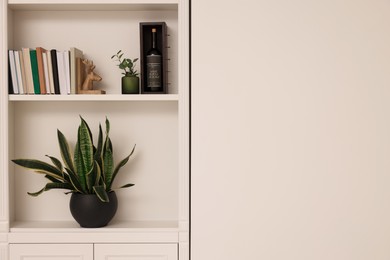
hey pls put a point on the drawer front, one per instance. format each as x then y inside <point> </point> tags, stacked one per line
<point>136,252</point>
<point>51,251</point>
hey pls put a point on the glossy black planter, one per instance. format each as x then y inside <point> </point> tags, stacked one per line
<point>90,212</point>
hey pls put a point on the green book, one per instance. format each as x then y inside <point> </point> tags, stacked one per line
<point>35,74</point>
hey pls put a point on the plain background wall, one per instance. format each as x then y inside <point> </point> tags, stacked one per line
<point>291,130</point>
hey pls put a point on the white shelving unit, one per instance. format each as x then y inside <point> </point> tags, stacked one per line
<point>155,211</point>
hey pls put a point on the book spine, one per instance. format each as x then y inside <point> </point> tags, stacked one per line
<point>10,87</point>
<point>46,72</point>
<point>19,72</point>
<point>41,73</point>
<point>67,71</point>
<point>34,69</point>
<point>27,70</point>
<point>23,73</point>
<point>14,78</point>
<point>50,70</point>
<point>61,72</point>
<point>55,71</point>
<point>74,54</point>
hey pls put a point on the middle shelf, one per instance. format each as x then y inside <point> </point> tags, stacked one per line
<point>109,97</point>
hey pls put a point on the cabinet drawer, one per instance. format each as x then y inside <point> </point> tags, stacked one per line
<point>136,252</point>
<point>51,251</point>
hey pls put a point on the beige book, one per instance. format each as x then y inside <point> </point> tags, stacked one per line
<point>28,70</point>
<point>74,54</point>
<point>50,70</point>
<point>41,70</point>
<point>80,74</point>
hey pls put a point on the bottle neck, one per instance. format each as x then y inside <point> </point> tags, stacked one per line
<point>154,39</point>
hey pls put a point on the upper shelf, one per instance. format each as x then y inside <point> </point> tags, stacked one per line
<point>93,5</point>
<point>108,97</point>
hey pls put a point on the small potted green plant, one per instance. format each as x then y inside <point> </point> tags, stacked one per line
<point>130,80</point>
<point>88,175</point>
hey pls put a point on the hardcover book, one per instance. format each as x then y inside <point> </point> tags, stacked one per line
<point>18,72</point>
<point>74,54</point>
<point>22,72</point>
<point>61,72</point>
<point>46,72</point>
<point>34,69</point>
<point>50,71</point>
<point>54,65</point>
<point>14,77</point>
<point>41,72</point>
<point>28,70</point>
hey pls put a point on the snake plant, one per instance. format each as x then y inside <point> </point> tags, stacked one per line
<point>89,171</point>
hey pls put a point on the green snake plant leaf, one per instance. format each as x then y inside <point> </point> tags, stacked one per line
<point>108,157</point>
<point>98,174</point>
<point>57,163</point>
<point>93,176</point>
<point>126,186</point>
<point>65,151</point>
<point>118,167</point>
<point>54,179</point>
<point>98,152</point>
<point>40,167</point>
<point>108,163</point>
<point>101,193</point>
<point>87,126</point>
<point>50,186</point>
<point>73,179</point>
<point>83,157</point>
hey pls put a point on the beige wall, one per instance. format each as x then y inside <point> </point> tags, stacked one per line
<point>291,130</point>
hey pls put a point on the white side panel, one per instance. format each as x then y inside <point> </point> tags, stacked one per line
<point>290,130</point>
<point>4,212</point>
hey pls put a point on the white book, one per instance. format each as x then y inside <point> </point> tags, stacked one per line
<point>67,70</point>
<point>61,73</point>
<point>19,73</point>
<point>14,77</point>
<point>46,72</point>
<point>50,69</point>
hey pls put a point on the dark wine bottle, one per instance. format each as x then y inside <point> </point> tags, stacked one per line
<point>153,65</point>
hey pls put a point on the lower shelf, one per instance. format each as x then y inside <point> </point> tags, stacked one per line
<point>115,232</point>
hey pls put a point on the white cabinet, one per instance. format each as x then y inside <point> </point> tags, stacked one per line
<point>93,251</point>
<point>156,209</point>
<point>51,251</point>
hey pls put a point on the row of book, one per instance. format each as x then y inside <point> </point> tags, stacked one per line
<point>41,71</point>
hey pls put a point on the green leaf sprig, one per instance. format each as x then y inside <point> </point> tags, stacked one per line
<point>125,64</point>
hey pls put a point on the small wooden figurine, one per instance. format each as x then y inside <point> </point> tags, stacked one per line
<point>91,76</point>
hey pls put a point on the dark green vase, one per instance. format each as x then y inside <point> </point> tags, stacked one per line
<point>130,85</point>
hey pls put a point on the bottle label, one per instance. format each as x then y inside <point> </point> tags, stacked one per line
<point>153,71</point>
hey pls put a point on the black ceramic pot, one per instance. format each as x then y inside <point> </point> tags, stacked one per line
<point>90,212</point>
